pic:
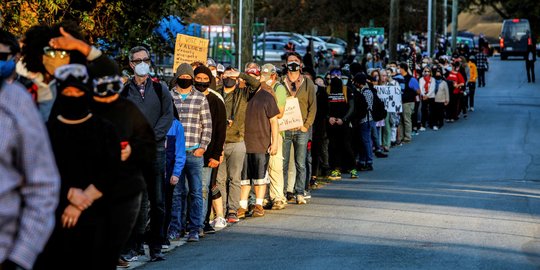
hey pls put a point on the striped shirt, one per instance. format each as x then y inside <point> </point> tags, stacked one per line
<point>195,117</point>
<point>29,180</point>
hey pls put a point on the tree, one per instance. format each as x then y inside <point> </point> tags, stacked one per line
<point>123,24</point>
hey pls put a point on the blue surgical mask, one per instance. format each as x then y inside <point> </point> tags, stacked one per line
<point>7,68</point>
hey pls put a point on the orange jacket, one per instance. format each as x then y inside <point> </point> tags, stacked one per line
<point>473,71</point>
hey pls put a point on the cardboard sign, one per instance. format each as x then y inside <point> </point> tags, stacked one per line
<point>391,96</point>
<point>292,116</point>
<point>189,49</point>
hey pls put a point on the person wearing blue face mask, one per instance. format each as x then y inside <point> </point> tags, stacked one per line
<point>300,87</point>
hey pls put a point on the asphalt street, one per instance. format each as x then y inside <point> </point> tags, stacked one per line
<point>464,197</point>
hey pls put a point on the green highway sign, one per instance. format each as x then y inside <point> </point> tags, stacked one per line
<point>372,31</point>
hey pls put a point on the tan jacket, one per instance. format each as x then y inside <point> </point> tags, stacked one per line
<point>443,94</point>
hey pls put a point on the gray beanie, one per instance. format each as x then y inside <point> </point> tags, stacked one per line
<point>184,68</point>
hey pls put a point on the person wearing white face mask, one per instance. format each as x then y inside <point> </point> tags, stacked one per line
<point>155,102</point>
<point>303,89</point>
<point>270,83</point>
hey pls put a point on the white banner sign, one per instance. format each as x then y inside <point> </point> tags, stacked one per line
<point>391,96</point>
<point>292,116</point>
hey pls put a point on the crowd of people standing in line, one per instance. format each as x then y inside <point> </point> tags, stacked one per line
<point>109,164</point>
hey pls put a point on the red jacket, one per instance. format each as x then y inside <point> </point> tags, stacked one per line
<point>456,78</point>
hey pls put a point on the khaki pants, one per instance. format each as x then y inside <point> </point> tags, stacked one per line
<point>275,172</point>
<point>405,127</point>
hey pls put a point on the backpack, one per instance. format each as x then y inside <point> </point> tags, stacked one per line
<point>157,87</point>
<point>360,107</point>
<point>378,111</point>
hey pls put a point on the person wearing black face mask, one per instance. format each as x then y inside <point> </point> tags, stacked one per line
<point>196,117</point>
<point>213,154</point>
<point>138,151</point>
<point>87,152</point>
<point>229,173</point>
<point>303,89</point>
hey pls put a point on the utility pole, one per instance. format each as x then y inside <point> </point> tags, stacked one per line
<point>245,52</point>
<point>434,27</point>
<point>454,23</point>
<point>393,33</point>
<point>240,26</point>
<point>429,29</point>
<point>445,21</point>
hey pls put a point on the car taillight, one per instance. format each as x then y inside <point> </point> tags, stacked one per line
<point>501,42</point>
<point>515,20</point>
<point>529,41</point>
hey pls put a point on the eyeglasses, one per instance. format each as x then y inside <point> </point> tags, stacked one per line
<point>52,53</point>
<point>109,84</point>
<point>138,61</point>
<point>4,56</point>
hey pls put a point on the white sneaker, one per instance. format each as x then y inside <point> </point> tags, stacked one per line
<point>435,128</point>
<point>422,129</point>
<point>219,223</point>
<point>471,109</point>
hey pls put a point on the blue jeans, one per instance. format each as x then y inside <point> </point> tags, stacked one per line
<point>366,153</point>
<point>206,177</point>
<point>299,141</point>
<point>193,174</point>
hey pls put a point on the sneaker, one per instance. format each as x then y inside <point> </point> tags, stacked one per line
<point>313,183</point>
<point>435,128</point>
<point>354,173</point>
<point>241,213</point>
<point>307,194</point>
<point>300,199</point>
<point>267,204</point>
<point>174,236</point>
<point>232,217</point>
<point>193,236</point>
<point>335,175</point>
<point>290,197</point>
<point>279,205</point>
<point>422,129</point>
<point>208,229</point>
<point>166,244</point>
<point>131,256</point>
<point>157,256</point>
<point>258,211</point>
<point>122,264</point>
<point>471,109</point>
<point>381,154</point>
<point>219,223</point>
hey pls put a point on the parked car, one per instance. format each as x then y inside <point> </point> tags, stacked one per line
<point>514,37</point>
<point>318,43</point>
<point>337,45</point>
<point>274,50</point>
<point>335,40</point>
<point>292,36</point>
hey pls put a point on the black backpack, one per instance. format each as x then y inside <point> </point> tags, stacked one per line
<point>360,107</point>
<point>378,111</point>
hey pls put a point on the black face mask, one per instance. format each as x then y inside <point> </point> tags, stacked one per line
<point>293,66</point>
<point>184,83</point>
<point>229,82</point>
<point>202,86</point>
<point>438,77</point>
<point>73,108</point>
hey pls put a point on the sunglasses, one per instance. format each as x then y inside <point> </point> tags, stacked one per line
<point>105,85</point>
<point>4,56</point>
<point>138,61</point>
<point>52,53</point>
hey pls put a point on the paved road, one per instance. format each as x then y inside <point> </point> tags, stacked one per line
<point>464,197</point>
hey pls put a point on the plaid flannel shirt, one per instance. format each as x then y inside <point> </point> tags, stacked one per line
<point>481,61</point>
<point>195,117</point>
<point>29,179</point>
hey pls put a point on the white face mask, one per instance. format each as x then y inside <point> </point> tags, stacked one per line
<point>269,82</point>
<point>214,73</point>
<point>142,69</point>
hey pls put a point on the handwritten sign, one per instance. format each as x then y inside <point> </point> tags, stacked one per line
<point>391,96</point>
<point>292,116</point>
<point>189,49</point>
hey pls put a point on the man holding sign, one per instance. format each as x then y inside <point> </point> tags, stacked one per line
<point>302,89</point>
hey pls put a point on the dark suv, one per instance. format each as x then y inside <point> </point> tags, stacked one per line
<point>514,37</point>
